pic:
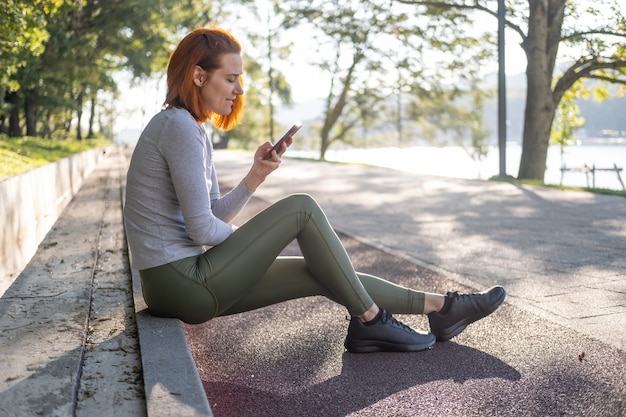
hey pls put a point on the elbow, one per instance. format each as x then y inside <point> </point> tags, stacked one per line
<point>210,236</point>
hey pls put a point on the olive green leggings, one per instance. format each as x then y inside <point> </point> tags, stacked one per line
<point>245,272</point>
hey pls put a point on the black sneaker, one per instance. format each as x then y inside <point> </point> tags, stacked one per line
<point>385,334</point>
<point>461,310</point>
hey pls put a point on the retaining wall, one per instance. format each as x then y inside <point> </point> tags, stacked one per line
<point>31,203</point>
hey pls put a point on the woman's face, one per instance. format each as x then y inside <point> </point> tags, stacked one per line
<point>221,88</point>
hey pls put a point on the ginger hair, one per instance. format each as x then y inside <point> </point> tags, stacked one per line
<point>203,47</point>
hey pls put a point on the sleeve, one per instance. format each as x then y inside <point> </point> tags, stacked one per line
<point>188,158</point>
<point>229,205</point>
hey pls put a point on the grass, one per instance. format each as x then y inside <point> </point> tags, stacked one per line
<point>606,191</point>
<point>18,155</point>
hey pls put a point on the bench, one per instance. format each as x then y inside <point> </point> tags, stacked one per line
<point>592,170</point>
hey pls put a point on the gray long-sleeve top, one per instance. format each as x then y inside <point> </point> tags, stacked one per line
<point>173,206</point>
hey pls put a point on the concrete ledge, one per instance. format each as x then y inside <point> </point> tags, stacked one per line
<point>171,380</point>
<point>31,203</point>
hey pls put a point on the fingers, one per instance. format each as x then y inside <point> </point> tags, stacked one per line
<point>267,149</point>
<point>287,143</point>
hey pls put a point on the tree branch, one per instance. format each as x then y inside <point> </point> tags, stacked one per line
<point>604,32</point>
<point>583,68</point>
<point>476,6</point>
<point>607,79</point>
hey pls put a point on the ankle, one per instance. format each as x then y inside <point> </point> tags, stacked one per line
<point>372,313</point>
<point>447,301</point>
<point>434,303</point>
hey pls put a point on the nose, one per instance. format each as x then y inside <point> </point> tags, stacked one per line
<point>239,87</point>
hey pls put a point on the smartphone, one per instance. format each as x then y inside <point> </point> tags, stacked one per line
<point>278,144</point>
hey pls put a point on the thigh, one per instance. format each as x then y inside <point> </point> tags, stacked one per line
<point>232,268</point>
<point>170,292</point>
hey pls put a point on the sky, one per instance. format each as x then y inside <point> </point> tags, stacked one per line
<point>138,103</point>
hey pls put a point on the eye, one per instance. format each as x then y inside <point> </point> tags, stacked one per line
<point>231,80</point>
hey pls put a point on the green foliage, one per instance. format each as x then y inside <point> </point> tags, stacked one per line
<point>266,86</point>
<point>581,39</point>
<point>389,66</point>
<point>411,67</point>
<point>566,120</point>
<point>23,33</point>
<point>479,146</point>
<point>60,54</point>
<point>18,155</point>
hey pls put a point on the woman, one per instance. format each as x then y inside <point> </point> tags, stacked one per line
<point>195,266</point>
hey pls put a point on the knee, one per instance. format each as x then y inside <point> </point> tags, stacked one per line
<point>303,200</point>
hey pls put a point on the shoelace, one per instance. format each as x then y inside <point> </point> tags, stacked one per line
<point>458,296</point>
<point>387,317</point>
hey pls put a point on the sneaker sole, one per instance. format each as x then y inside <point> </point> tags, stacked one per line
<point>370,346</point>
<point>449,333</point>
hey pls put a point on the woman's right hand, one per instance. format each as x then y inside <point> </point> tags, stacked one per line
<point>262,167</point>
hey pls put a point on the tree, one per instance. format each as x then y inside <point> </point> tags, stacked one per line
<point>269,86</point>
<point>375,53</point>
<point>85,43</point>
<point>23,33</point>
<point>556,31</point>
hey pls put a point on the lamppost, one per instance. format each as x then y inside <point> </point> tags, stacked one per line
<point>501,91</point>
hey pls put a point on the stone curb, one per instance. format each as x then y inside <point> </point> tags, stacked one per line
<point>171,381</point>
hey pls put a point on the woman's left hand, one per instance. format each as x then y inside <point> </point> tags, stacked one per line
<point>261,167</point>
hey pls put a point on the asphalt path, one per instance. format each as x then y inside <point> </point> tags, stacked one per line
<point>556,347</point>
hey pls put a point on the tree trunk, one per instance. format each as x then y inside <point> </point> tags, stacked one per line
<point>541,47</point>
<point>30,104</point>
<point>333,112</point>
<point>14,117</point>
<point>92,116</point>
<point>46,129</point>
<point>79,114</point>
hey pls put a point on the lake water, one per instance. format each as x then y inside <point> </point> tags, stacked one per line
<point>453,161</point>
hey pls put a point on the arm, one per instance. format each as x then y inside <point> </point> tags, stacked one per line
<point>189,163</point>
<point>229,205</point>
<point>262,167</point>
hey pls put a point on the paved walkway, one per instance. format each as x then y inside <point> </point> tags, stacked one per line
<point>560,254</point>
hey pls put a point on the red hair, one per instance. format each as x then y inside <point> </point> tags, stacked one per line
<point>203,47</point>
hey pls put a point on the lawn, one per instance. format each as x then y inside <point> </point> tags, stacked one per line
<point>18,155</point>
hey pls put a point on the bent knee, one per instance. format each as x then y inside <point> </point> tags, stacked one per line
<point>302,200</point>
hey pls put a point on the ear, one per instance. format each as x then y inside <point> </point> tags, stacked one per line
<point>199,76</point>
